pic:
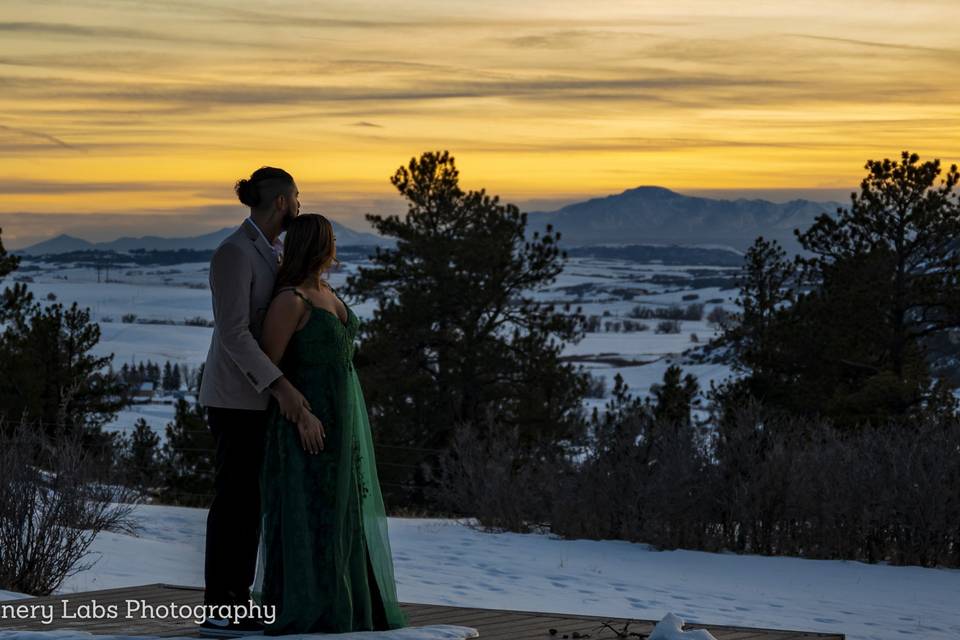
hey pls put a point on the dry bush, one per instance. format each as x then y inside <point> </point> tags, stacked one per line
<point>760,482</point>
<point>488,475</point>
<point>889,493</point>
<point>53,503</point>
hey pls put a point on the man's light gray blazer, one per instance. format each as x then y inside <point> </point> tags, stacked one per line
<point>242,274</point>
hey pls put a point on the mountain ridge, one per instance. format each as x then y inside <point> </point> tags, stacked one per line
<point>65,243</point>
<point>656,215</point>
<point>643,215</point>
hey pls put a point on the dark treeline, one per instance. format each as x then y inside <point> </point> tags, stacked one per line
<point>100,258</point>
<point>94,258</point>
<point>167,378</point>
<point>673,255</point>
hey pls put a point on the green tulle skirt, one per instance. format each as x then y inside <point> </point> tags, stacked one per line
<point>325,561</point>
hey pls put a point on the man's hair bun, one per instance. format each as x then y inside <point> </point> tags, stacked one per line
<point>265,180</point>
<point>248,192</point>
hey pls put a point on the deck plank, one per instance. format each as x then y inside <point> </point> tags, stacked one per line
<point>493,624</point>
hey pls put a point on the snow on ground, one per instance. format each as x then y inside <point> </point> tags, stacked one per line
<point>642,345</point>
<point>132,343</point>
<point>157,416</point>
<point>428,632</point>
<point>114,299</point>
<point>446,562</point>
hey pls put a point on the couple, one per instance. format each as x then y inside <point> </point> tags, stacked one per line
<point>296,480</point>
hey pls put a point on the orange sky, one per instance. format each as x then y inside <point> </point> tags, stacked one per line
<point>122,116</point>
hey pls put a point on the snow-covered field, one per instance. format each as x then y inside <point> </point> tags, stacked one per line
<point>448,562</point>
<point>177,293</point>
<point>171,294</point>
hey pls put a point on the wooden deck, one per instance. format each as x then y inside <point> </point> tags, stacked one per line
<point>493,624</point>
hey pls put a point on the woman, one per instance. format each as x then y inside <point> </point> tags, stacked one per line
<point>325,559</point>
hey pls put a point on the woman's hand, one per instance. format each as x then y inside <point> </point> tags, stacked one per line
<point>311,432</point>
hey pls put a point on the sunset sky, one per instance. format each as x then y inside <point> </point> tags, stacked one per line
<point>128,117</point>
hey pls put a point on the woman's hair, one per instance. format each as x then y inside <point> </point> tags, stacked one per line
<point>264,184</point>
<point>307,250</point>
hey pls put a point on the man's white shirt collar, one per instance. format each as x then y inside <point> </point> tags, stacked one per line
<point>277,247</point>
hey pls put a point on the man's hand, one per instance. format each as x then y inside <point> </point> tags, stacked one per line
<point>311,433</point>
<point>292,403</point>
<point>295,408</point>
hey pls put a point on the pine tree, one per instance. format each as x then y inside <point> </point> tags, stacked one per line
<point>175,379</point>
<point>903,229</point>
<point>47,372</point>
<point>767,287</point>
<point>456,331</point>
<point>8,262</point>
<point>671,401</point>
<point>154,374</point>
<point>188,457</point>
<point>842,332</point>
<point>143,456</point>
<point>167,378</point>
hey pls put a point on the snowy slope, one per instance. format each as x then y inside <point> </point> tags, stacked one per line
<point>445,562</point>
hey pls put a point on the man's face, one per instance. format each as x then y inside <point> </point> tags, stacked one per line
<point>292,209</point>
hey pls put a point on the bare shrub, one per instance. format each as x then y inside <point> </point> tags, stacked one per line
<point>756,481</point>
<point>718,316</point>
<point>643,480</point>
<point>669,326</point>
<point>797,486</point>
<point>53,503</point>
<point>692,311</point>
<point>596,386</point>
<point>488,475</point>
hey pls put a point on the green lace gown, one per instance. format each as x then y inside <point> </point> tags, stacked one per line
<point>325,559</point>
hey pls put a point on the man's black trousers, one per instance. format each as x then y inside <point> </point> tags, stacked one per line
<point>233,523</point>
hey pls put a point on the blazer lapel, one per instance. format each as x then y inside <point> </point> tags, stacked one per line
<point>261,245</point>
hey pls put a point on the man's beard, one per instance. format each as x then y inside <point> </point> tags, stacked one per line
<point>287,219</point>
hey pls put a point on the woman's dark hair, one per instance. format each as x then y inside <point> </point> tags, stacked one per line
<point>264,184</point>
<point>307,249</point>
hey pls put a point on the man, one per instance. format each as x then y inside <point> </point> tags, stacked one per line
<point>238,379</point>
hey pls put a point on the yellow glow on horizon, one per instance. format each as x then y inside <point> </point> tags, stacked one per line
<point>112,107</point>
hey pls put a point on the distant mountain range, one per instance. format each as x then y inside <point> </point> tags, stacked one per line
<point>658,216</point>
<point>640,216</point>
<point>65,243</point>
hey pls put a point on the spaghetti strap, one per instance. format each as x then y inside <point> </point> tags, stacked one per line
<point>298,294</point>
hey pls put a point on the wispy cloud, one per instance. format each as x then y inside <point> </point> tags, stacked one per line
<point>265,94</point>
<point>97,33</point>
<point>881,45</point>
<point>62,29</point>
<point>35,186</point>
<point>37,135</point>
